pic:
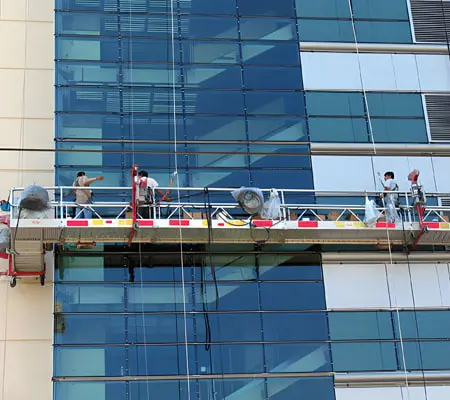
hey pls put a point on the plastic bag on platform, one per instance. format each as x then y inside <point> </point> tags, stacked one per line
<point>371,216</point>
<point>4,236</point>
<point>272,207</point>
<point>391,212</point>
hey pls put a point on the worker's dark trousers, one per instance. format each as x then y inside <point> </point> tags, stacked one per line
<point>146,211</point>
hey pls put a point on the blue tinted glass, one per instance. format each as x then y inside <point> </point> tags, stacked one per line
<point>209,27</point>
<point>305,357</point>
<point>272,78</point>
<point>310,388</point>
<point>72,329</point>
<point>158,297</point>
<point>86,268</point>
<point>278,53</point>
<point>229,388</point>
<point>207,52</point>
<point>395,104</point>
<point>266,7</point>
<point>338,130</point>
<point>267,29</point>
<point>335,104</point>
<point>158,328</point>
<point>325,30</point>
<point>280,327</point>
<point>425,355</point>
<point>157,360</point>
<point>208,7</point>
<point>292,296</point>
<point>218,77</point>
<point>219,177</point>
<point>323,8</point>
<point>148,50</point>
<point>89,390</point>
<point>288,179</point>
<point>423,324</point>
<point>213,102</point>
<point>215,128</point>
<point>364,356</point>
<point>382,9</point>
<point>289,272</point>
<point>399,130</point>
<point>119,5</point>
<point>383,32</point>
<point>277,129</point>
<point>272,103</point>
<point>360,325</point>
<point>161,389</point>
<point>262,156</point>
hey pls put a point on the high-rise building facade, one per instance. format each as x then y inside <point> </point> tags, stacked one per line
<point>320,95</point>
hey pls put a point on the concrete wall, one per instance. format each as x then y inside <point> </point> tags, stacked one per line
<point>26,121</point>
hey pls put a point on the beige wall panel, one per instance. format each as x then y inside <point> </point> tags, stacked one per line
<point>39,94</point>
<point>39,56</point>
<point>41,10</point>
<point>11,92</point>
<point>12,39</point>
<point>13,9</point>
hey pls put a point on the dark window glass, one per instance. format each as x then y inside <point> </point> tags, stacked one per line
<point>163,389</point>
<point>304,357</point>
<point>278,53</point>
<point>213,102</point>
<point>272,78</point>
<point>159,328</point>
<point>280,327</point>
<point>277,129</point>
<point>292,296</point>
<point>229,388</point>
<point>423,324</point>
<point>325,30</point>
<point>288,272</point>
<point>364,356</point>
<point>157,360</point>
<point>123,6</point>
<point>383,32</point>
<point>216,77</point>
<point>90,390</point>
<point>210,52</point>
<point>323,8</point>
<point>288,178</point>
<point>335,104</point>
<point>218,177</point>
<point>267,29</point>
<point>272,103</point>
<point>266,7</point>
<point>382,9</point>
<point>209,27</point>
<point>208,7</point>
<point>338,130</point>
<point>294,156</point>
<point>395,104</point>
<point>424,355</point>
<point>311,388</point>
<point>215,128</point>
<point>148,50</point>
<point>399,130</point>
<point>360,325</point>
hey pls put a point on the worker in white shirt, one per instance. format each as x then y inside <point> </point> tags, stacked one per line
<point>391,200</point>
<point>83,196</point>
<point>146,188</point>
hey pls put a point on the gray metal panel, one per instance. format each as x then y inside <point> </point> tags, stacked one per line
<point>429,22</point>
<point>438,110</point>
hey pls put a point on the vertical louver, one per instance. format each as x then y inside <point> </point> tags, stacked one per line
<point>438,110</point>
<point>431,20</point>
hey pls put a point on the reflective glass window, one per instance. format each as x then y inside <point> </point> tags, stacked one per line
<point>272,78</point>
<point>423,324</point>
<point>216,77</point>
<point>208,52</point>
<point>425,355</point>
<point>298,357</point>
<point>325,30</point>
<point>287,178</point>
<point>218,177</point>
<point>267,29</point>
<point>338,130</point>
<point>213,102</point>
<point>208,27</point>
<point>323,8</point>
<point>364,356</point>
<point>215,128</point>
<point>278,53</point>
<point>120,5</point>
<point>360,325</point>
<point>90,390</point>
<point>383,32</point>
<point>273,103</point>
<point>395,104</point>
<point>294,156</point>
<point>289,326</point>
<point>399,130</point>
<point>208,7</point>
<point>157,360</point>
<point>274,271</point>
<point>311,388</point>
<point>266,7</point>
<point>335,104</point>
<point>292,296</point>
<point>382,9</point>
<point>277,129</point>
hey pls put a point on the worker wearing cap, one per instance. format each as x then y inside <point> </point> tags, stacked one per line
<point>84,196</point>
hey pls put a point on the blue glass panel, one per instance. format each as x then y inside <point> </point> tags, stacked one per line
<point>89,390</point>
<point>382,9</point>
<point>266,7</point>
<point>119,5</point>
<point>278,53</point>
<point>272,78</point>
<point>425,355</point>
<point>287,179</point>
<point>215,128</point>
<point>267,29</point>
<point>72,329</point>
<point>157,360</point>
<point>263,156</point>
<point>310,388</point>
<point>160,389</point>
<point>325,30</point>
<point>218,77</point>
<point>304,357</point>
<point>360,325</point>
<point>229,388</point>
<point>338,130</point>
<point>287,272</point>
<point>423,324</point>
<point>219,177</point>
<point>277,129</point>
<point>272,103</point>
<point>280,327</point>
<point>208,52</point>
<point>292,296</point>
<point>383,32</point>
<point>399,130</point>
<point>148,50</point>
<point>213,102</point>
<point>395,104</point>
<point>208,7</point>
<point>208,27</point>
<point>364,356</point>
<point>335,104</point>
<point>158,328</point>
<point>323,8</point>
